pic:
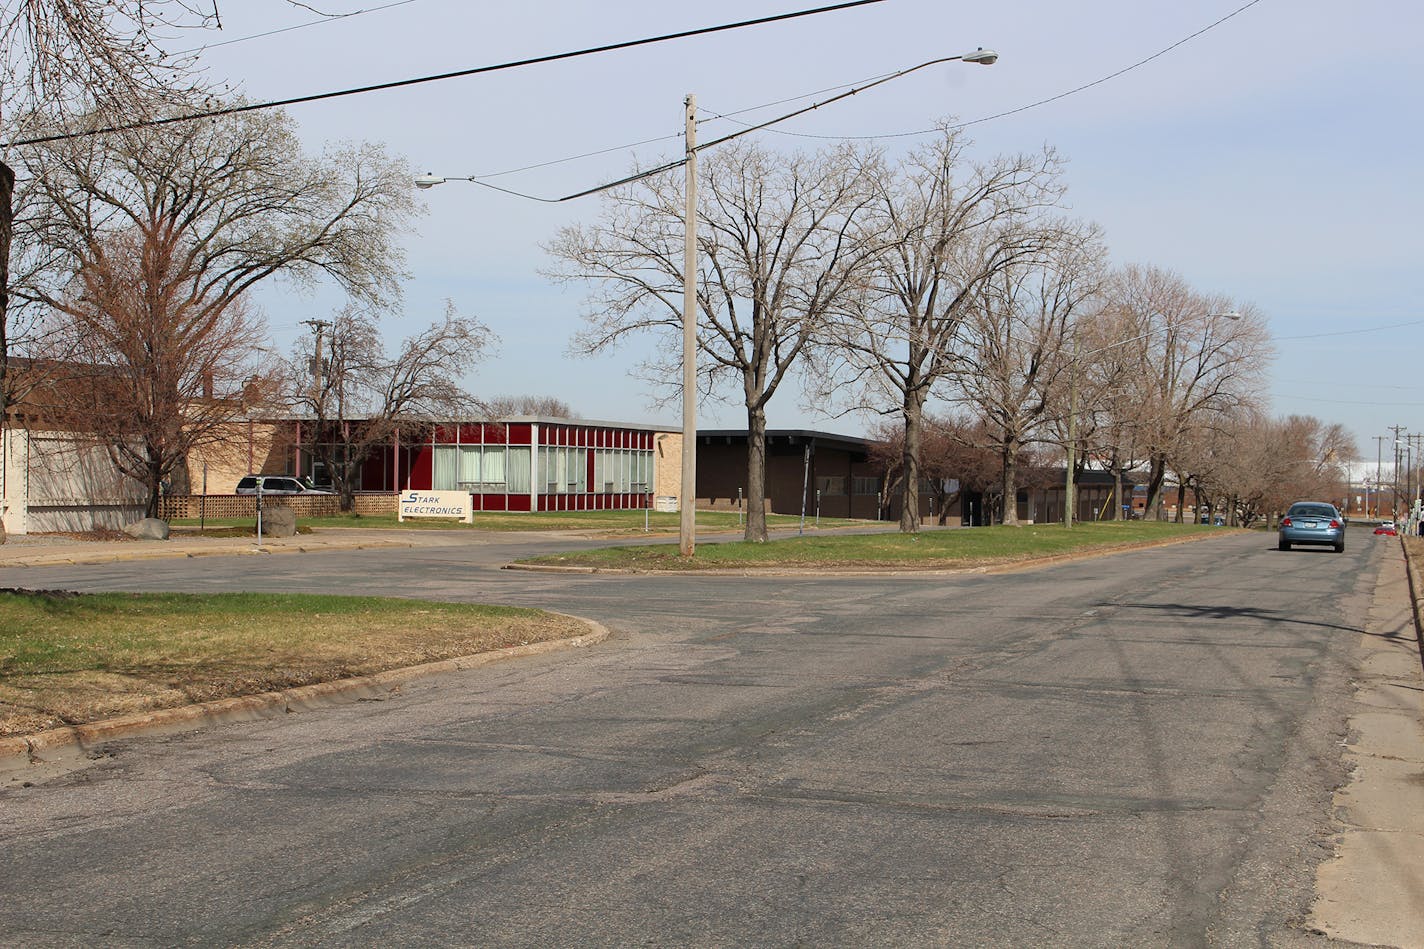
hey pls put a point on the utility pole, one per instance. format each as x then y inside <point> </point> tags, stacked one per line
<point>1379,470</point>
<point>1396,429</point>
<point>1069,500</point>
<point>1416,443</point>
<point>318,328</point>
<point>687,519</point>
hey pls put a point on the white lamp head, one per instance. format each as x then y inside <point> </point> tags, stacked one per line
<point>982,56</point>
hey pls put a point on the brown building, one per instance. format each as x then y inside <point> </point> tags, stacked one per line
<point>802,467</point>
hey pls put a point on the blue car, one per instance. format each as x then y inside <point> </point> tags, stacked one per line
<point>1313,522</point>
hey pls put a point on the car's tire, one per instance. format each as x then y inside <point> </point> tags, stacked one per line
<point>1340,547</point>
<point>1283,545</point>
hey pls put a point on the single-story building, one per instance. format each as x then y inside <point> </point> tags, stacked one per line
<point>525,463</point>
<point>804,469</point>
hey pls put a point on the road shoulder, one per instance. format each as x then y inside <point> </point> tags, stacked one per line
<point>1372,892</point>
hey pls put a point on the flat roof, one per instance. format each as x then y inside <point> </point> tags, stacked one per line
<point>792,436</point>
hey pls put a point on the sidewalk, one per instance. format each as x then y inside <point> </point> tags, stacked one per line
<point>47,550</point>
<point>1372,892</point>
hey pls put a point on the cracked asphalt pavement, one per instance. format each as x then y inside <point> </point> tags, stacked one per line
<point>1128,750</point>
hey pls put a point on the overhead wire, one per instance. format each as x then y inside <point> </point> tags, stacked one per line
<point>862,86</point>
<point>401,83</point>
<point>1032,105</point>
<point>1311,398</point>
<point>711,117</point>
<point>1368,329</point>
<point>332,18</point>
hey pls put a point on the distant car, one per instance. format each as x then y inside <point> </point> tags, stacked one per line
<point>1388,529</point>
<point>1312,522</point>
<point>272,484</point>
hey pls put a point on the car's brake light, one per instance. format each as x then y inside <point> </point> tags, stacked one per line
<point>1285,522</point>
<point>1334,525</point>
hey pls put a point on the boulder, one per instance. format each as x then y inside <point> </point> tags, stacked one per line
<point>150,528</point>
<point>278,522</point>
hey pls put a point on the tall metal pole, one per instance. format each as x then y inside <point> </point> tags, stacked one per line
<point>1068,494</point>
<point>687,523</point>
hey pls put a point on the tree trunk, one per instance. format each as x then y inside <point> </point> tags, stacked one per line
<point>914,409</point>
<point>1010,458</point>
<point>7,227</point>
<point>347,501</point>
<point>1117,492</point>
<point>1157,474</point>
<point>756,476</point>
<point>155,485</point>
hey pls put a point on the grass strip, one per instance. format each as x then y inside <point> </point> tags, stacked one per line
<point>68,658</point>
<point>940,549</point>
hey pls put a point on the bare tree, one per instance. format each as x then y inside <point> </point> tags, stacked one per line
<point>1108,422</point>
<point>1197,357</point>
<point>196,215</point>
<point>59,55</point>
<point>364,396</point>
<point>1015,344</point>
<point>949,459</point>
<point>1254,466</point>
<point>943,227</point>
<point>502,406</point>
<point>776,250</point>
<point>156,368</point>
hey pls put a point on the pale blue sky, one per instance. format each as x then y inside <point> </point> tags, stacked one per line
<point>1272,158</point>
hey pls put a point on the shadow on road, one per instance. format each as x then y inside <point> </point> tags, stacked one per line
<point>1198,611</point>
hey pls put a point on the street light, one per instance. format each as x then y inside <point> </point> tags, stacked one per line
<point>687,530</point>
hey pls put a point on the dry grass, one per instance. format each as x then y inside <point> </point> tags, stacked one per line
<point>931,550</point>
<point>68,659</point>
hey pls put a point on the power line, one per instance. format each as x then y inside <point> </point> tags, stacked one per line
<point>477,70</point>
<point>1311,398</point>
<point>1369,329</point>
<point>288,29</point>
<point>1354,385</point>
<point>712,117</point>
<point>679,162</point>
<point>1033,105</point>
<point>875,80</point>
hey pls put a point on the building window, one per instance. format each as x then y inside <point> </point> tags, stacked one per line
<point>831,487</point>
<point>475,468</point>
<point>866,487</point>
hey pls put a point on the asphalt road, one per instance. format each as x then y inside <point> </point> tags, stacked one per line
<point>1129,750</point>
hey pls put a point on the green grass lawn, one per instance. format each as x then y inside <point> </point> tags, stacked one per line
<point>69,658</point>
<point>630,522</point>
<point>929,550</point>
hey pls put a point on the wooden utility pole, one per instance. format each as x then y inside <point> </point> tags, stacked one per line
<point>1069,495</point>
<point>687,513</point>
<point>1379,471</point>
<point>1394,507</point>
<point>318,328</point>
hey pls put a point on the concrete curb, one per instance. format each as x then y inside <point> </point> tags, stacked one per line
<point>79,740</point>
<point>895,571</point>
<point>71,559</point>
<point>1411,570</point>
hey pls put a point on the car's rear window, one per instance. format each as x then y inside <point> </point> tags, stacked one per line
<point>1312,510</point>
<point>247,483</point>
